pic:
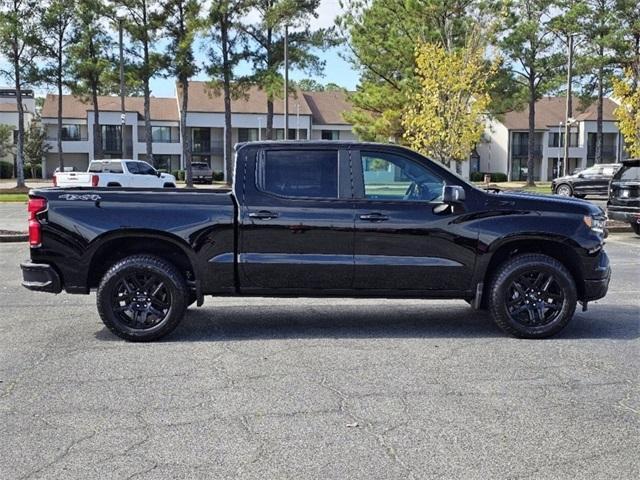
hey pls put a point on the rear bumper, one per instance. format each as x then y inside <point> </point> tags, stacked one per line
<point>624,214</point>
<point>597,285</point>
<point>40,277</point>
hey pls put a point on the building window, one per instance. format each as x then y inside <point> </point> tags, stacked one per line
<point>556,139</point>
<point>111,138</point>
<point>71,132</point>
<point>330,134</point>
<point>247,134</point>
<point>161,134</point>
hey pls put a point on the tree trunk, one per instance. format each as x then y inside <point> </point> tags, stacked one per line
<point>269,130</point>
<point>569,106</point>
<point>599,112</point>
<point>59,80</point>
<point>186,137</point>
<point>532,132</point>
<point>226,72</point>
<point>20,145</point>
<point>97,131</point>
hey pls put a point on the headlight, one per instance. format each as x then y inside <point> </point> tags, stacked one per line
<point>597,224</point>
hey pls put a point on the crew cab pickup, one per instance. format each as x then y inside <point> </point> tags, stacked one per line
<point>319,219</point>
<point>116,173</point>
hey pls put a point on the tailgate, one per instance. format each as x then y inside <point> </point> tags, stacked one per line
<point>73,179</point>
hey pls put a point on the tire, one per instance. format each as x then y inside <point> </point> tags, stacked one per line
<point>169,185</point>
<point>129,308</point>
<point>635,227</point>
<point>516,304</point>
<point>564,190</point>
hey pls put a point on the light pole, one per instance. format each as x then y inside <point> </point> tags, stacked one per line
<point>567,133</point>
<point>259,128</point>
<point>297,121</point>
<point>123,113</point>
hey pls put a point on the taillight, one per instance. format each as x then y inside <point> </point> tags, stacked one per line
<point>94,180</point>
<point>35,206</point>
<point>55,180</point>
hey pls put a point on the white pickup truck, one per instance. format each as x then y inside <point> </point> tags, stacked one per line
<point>116,173</point>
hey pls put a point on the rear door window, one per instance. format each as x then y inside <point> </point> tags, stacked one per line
<point>299,173</point>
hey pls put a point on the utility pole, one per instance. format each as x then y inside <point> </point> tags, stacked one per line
<point>123,113</point>
<point>286,82</point>
<point>568,110</point>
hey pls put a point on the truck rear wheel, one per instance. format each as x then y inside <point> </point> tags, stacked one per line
<point>532,296</point>
<point>142,298</point>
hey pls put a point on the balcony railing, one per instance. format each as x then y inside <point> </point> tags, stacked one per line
<point>208,146</point>
<point>523,150</point>
<point>608,152</point>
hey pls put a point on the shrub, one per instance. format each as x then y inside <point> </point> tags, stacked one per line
<point>179,174</point>
<point>495,177</point>
<point>218,176</point>
<point>6,170</point>
<point>38,171</point>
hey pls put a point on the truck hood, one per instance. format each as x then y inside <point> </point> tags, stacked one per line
<point>544,203</point>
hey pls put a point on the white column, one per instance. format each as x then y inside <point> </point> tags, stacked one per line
<point>544,168</point>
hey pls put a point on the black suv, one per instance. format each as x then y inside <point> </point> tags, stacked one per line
<point>624,194</point>
<point>591,181</point>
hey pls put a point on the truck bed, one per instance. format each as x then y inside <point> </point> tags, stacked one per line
<point>82,224</point>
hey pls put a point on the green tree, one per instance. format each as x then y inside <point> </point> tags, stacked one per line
<point>310,85</point>
<point>381,36</point>
<point>90,60</point>
<point>445,118</point>
<point>530,49</point>
<point>628,42</point>
<point>598,62</point>
<point>57,21</point>
<point>35,148</point>
<point>267,45</point>
<point>223,57</point>
<point>19,34</point>
<point>142,21</point>
<point>182,23</point>
<point>6,141</point>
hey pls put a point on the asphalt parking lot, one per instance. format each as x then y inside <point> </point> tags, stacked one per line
<point>296,388</point>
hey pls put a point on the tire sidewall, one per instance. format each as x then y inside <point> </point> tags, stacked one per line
<point>175,288</point>
<point>562,186</point>
<point>500,291</point>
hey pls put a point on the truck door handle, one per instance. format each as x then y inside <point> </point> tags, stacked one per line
<point>263,215</point>
<point>374,217</point>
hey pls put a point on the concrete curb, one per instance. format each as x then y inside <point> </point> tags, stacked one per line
<point>14,237</point>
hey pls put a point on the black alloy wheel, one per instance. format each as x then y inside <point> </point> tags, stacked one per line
<point>142,298</point>
<point>532,296</point>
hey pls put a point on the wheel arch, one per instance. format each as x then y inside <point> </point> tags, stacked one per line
<point>110,248</point>
<point>554,248</point>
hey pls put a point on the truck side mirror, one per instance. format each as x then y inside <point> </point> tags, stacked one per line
<point>453,194</point>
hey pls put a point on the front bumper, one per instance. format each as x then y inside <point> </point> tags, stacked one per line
<point>40,277</point>
<point>597,284</point>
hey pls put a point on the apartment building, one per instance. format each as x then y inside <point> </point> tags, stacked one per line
<point>505,142</point>
<point>9,113</point>
<point>312,115</point>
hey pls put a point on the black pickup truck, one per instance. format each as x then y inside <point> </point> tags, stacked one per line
<point>319,219</point>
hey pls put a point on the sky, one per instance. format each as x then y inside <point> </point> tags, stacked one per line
<point>337,70</point>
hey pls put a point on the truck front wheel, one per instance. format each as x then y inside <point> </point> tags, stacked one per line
<point>142,298</point>
<point>532,296</point>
